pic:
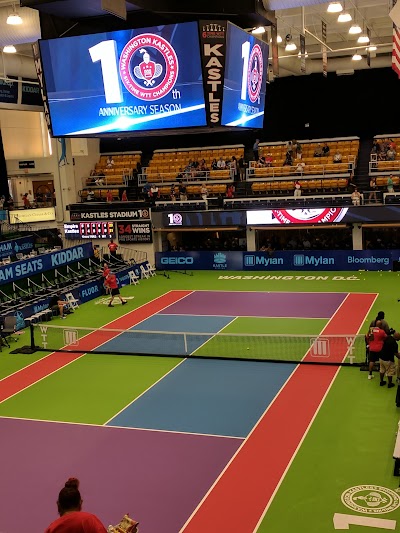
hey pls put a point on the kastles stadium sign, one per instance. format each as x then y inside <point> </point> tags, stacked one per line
<point>134,214</point>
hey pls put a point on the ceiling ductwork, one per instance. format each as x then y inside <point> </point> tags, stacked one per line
<point>18,66</point>
<point>290,66</point>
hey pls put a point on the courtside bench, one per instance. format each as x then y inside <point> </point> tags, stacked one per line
<point>396,454</point>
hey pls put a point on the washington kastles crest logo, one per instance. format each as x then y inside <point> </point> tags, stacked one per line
<point>255,73</point>
<point>309,216</point>
<point>149,67</point>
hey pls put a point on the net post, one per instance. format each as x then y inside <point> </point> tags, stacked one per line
<point>33,347</point>
<point>185,343</point>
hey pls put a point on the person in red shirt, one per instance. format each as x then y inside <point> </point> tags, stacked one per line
<point>72,518</point>
<point>113,247</point>
<point>375,338</point>
<point>109,196</point>
<point>112,284</point>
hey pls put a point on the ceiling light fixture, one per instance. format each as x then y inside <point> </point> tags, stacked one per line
<point>279,39</point>
<point>9,49</point>
<point>356,57</point>
<point>355,29</point>
<point>372,48</point>
<point>14,19</point>
<point>290,45</point>
<point>335,7</point>
<point>363,39</point>
<point>258,30</point>
<point>344,17</point>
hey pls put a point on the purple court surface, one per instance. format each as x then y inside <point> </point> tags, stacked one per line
<point>165,475</point>
<point>260,304</point>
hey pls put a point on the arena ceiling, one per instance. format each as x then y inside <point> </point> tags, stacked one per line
<point>71,17</point>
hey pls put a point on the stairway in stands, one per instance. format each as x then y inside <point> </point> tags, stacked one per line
<point>361,174</point>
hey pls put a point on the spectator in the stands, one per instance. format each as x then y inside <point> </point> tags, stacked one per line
<point>326,150</point>
<point>269,160</point>
<point>25,201</point>
<point>372,190</point>
<point>288,159</point>
<point>173,192</point>
<point>204,191</point>
<point>221,163</point>
<point>392,144</point>
<point>180,176</point>
<point>124,196</point>
<point>298,150</point>
<point>146,190</point>
<point>306,243</point>
<point>261,163</point>
<point>31,198</point>
<point>99,181</point>
<point>390,155</point>
<point>297,188</point>
<point>234,167</point>
<point>58,305</point>
<point>242,168</point>
<point>182,192</point>
<point>109,196</point>
<point>154,193</point>
<point>390,185</point>
<point>356,197</point>
<point>90,196</point>
<point>9,203</point>
<point>214,165</point>
<point>337,158</point>
<point>376,147</point>
<point>300,168</point>
<point>318,151</point>
<point>230,190</point>
<point>255,149</point>
<point>110,161</point>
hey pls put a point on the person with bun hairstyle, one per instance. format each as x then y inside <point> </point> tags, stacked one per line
<point>72,518</point>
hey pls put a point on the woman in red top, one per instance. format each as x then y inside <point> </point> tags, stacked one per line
<point>109,196</point>
<point>72,518</point>
<point>124,197</point>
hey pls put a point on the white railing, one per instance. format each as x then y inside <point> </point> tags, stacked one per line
<point>292,171</point>
<point>384,167</point>
<point>195,176</point>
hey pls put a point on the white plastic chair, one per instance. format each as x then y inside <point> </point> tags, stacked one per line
<point>73,302</point>
<point>133,278</point>
<point>144,271</point>
<point>151,270</point>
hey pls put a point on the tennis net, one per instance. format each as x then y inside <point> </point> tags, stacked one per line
<point>317,349</point>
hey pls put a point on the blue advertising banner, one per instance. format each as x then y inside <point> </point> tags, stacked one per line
<point>287,260</point>
<point>23,245</point>
<point>41,263</point>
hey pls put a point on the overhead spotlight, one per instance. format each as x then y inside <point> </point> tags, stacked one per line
<point>363,39</point>
<point>258,30</point>
<point>356,57</point>
<point>290,44</point>
<point>372,48</point>
<point>279,39</point>
<point>305,55</point>
<point>9,49</point>
<point>335,7</point>
<point>14,19</point>
<point>355,29</point>
<point>344,17</point>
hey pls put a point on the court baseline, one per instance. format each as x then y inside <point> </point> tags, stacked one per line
<point>31,374</point>
<point>251,479</point>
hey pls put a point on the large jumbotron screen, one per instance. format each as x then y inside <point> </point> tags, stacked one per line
<point>186,75</point>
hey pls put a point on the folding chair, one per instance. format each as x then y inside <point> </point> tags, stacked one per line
<point>8,329</point>
<point>72,302</point>
<point>144,271</point>
<point>133,278</point>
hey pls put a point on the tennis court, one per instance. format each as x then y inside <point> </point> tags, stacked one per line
<point>213,442</point>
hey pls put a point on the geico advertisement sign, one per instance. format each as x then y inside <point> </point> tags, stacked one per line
<point>177,260</point>
<point>32,215</point>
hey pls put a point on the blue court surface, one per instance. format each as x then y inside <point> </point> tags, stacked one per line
<point>209,397</point>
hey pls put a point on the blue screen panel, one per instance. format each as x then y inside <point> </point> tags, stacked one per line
<point>131,80</point>
<point>245,79</point>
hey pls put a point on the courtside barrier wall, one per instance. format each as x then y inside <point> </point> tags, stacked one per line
<point>285,260</point>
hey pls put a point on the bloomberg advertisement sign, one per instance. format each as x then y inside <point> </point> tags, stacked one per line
<point>286,260</point>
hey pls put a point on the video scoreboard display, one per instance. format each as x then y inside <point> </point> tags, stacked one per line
<point>185,75</point>
<point>89,230</point>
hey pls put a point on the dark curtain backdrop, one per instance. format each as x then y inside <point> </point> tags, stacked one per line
<point>3,171</point>
<point>363,104</point>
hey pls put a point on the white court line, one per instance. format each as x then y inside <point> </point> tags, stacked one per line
<point>283,292</point>
<point>102,426</point>
<point>254,428</point>
<point>83,354</point>
<point>165,375</point>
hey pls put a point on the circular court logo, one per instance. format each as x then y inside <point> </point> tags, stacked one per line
<point>371,499</point>
<point>309,216</point>
<point>148,67</point>
<point>255,74</point>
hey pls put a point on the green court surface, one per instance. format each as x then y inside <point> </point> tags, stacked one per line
<point>349,444</point>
